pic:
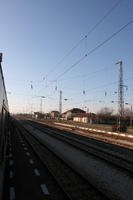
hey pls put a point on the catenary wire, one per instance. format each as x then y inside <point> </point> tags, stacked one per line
<point>85,75</point>
<point>85,36</point>
<point>102,86</point>
<point>94,49</point>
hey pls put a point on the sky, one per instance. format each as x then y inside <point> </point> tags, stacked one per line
<point>35,38</point>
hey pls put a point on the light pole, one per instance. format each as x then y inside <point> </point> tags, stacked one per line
<point>41,98</point>
<point>60,104</point>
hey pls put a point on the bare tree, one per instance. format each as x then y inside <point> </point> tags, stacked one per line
<point>105,111</point>
<point>127,112</point>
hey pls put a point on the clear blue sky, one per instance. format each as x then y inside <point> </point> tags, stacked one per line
<point>36,34</point>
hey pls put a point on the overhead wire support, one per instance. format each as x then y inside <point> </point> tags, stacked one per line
<point>95,48</point>
<point>84,37</point>
<point>120,91</point>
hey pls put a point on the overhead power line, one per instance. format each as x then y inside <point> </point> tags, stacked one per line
<point>95,48</point>
<point>108,84</point>
<point>102,19</point>
<point>100,86</point>
<point>85,36</point>
<point>86,74</point>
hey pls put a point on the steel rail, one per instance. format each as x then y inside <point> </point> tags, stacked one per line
<point>104,176</point>
<point>108,155</point>
<point>74,186</point>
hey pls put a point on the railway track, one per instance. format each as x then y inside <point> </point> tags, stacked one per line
<point>99,168</point>
<point>122,140</point>
<point>116,139</point>
<point>118,156</point>
<point>28,178</point>
<point>74,186</point>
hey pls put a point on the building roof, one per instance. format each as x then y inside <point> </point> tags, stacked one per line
<point>54,111</point>
<point>85,115</point>
<point>36,113</point>
<point>75,110</point>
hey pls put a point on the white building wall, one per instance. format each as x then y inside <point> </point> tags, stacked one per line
<point>85,119</point>
<point>81,119</point>
<point>76,119</point>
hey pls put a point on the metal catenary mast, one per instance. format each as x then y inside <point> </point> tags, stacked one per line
<point>120,95</point>
<point>120,91</point>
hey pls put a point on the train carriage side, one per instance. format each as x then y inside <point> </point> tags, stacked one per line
<point>4,115</point>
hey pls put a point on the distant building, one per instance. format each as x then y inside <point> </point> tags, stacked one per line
<point>63,116</point>
<point>47,116</point>
<point>68,115</point>
<point>85,118</point>
<point>54,114</point>
<point>38,115</point>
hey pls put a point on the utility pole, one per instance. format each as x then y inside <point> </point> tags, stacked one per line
<point>41,105</point>
<point>60,103</point>
<point>120,94</point>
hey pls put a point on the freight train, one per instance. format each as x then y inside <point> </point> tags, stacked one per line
<point>4,120</point>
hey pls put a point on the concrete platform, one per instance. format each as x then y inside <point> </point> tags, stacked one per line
<point>29,179</point>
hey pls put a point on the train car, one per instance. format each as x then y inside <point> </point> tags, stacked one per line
<point>4,117</point>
